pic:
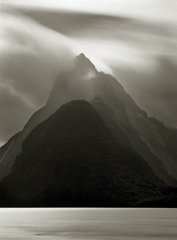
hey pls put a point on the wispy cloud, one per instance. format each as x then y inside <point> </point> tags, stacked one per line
<point>32,57</point>
<point>135,40</point>
<point>147,9</point>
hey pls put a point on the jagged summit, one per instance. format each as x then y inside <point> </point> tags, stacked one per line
<point>84,65</point>
<point>82,57</point>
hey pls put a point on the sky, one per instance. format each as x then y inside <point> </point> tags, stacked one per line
<point>133,40</point>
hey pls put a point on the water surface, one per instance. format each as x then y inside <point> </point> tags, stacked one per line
<point>88,224</point>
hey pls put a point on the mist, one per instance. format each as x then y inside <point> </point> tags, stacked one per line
<point>134,42</point>
<point>154,89</point>
<point>32,57</point>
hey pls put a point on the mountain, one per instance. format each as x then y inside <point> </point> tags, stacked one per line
<point>73,159</point>
<point>126,121</point>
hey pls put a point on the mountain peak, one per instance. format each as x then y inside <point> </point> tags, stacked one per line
<point>83,62</point>
<point>81,55</point>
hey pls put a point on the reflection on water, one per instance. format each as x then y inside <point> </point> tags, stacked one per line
<point>88,224</point>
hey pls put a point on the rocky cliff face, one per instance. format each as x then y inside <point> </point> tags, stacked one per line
<point>146,136</point>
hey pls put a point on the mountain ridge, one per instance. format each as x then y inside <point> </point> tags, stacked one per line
<point>83,81</point>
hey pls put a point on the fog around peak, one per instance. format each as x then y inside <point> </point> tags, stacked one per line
<point>133,40</point>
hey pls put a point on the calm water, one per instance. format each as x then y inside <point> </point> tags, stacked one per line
<point>86,224</point>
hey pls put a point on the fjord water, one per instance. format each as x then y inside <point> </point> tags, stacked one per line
<point>88,223</point>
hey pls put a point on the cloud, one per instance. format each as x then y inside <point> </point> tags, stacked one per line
<point>34,49</point>
<point>147,9</point>
<point>114,40</point>
<point>32,57</point>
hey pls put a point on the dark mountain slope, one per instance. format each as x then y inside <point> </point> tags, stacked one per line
<point>133,139</point>
<point>160,140</point>
<point>12,148</point>
<point>72,159</point>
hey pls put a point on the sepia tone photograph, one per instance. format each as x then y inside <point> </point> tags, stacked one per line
<point>88,119</point>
